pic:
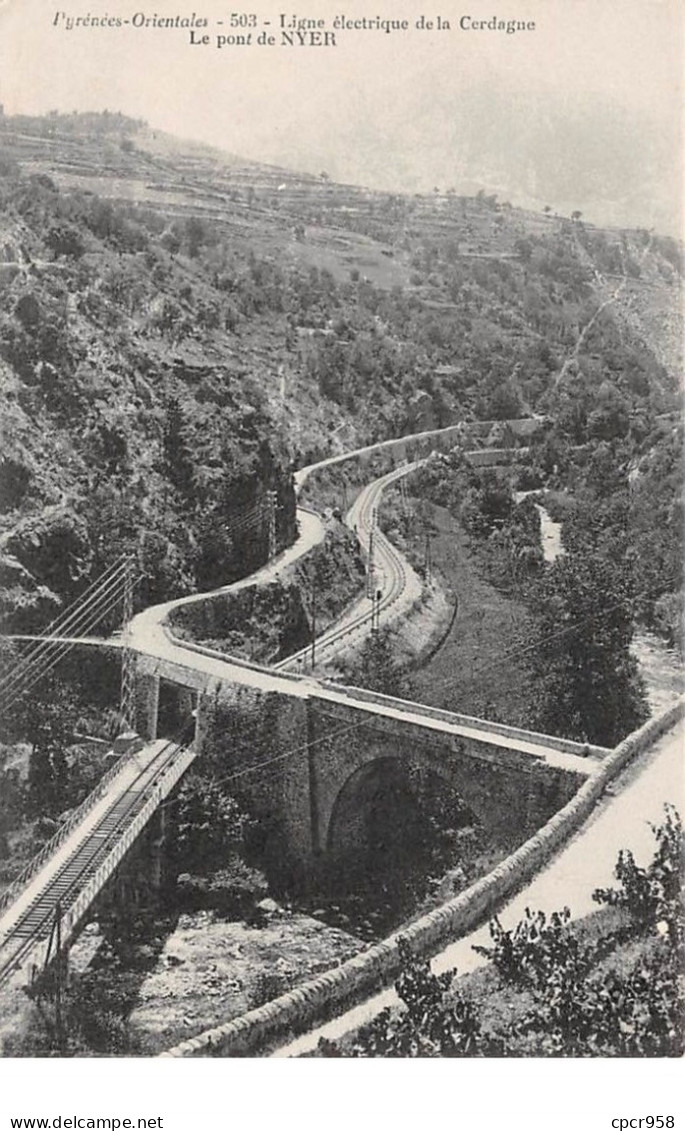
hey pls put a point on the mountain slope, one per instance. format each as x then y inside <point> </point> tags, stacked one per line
<point>178,327</point>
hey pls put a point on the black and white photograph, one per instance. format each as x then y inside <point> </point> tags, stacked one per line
<point>341,539</point>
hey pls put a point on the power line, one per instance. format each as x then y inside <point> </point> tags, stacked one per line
<point>78,619</point>
<point>251,518</point>
<point>88,617</point>
<point>73,623</point>
<point>60,623</point>
<point>47,664</point>
<point>60,649</point>
<point>128,664</point>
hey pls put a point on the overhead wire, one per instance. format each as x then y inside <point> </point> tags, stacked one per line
<point>518,650</point>
<point>86,621</point>
<point>77,619</point>
<point>252,519</point>
<point>72,626</point>
<point>43,670</point>
<point>59,648</point>
<point>282,756</point>
<point>69,616</point>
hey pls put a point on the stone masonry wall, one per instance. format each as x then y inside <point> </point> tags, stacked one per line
<point>360,977</point>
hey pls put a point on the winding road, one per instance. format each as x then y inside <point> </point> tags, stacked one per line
<point>85,850</point>
<point>400,586</point>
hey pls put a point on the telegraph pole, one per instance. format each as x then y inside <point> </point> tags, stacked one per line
<point>271,523</point>
<point>376,611</point>
<point>370,568</point>
<point>59,973</point>
<point>127,707</point>
<point>313,619</point>
<point>428,558</point>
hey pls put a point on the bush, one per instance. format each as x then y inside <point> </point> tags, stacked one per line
<point>233,891</point>
<point>588,998</point>
<point>653,896</point>
<point>433,1022</point>
<point>618,993</point>
<point>530,955</point>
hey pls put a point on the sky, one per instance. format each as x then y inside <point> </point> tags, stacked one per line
<point>585,112</point>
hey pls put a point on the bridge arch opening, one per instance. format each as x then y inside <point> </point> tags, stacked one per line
<point>396,828</point>
<point>176,709</point>
<point>367,817</point>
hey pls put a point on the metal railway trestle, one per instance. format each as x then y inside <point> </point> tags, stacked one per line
<point>83,871</point>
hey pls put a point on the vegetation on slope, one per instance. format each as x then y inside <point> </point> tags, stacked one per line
<point>608,987</point>
<point>165,361</point>
<point>619,502</point>
<point>268,622</point>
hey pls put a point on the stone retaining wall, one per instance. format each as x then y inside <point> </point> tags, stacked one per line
<point>358,978</point>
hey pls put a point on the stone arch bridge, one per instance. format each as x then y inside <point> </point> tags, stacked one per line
<point>317,753</point>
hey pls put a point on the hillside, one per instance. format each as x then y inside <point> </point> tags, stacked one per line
<point>179,327</point>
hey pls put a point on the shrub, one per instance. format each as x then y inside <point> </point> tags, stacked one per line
<point>653,895</point>
<point>529,955</point>
<point>434,1022</point>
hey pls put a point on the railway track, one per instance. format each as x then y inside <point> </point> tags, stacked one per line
<point>66,888</point>
<point>387,561</point>
<point>57,897</point>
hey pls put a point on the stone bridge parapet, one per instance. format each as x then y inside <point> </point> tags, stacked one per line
<point>358,978</point>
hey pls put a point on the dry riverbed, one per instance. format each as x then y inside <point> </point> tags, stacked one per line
<point>211,970</point>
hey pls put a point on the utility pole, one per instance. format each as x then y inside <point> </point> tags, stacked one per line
<point>127,705</point>
<point>313,619</point>
<point>271,523</point>
<point>59,973</point>
<point>370,570</point>
<point>428,558</point>
<point>376,611</point>
<point>52,979</point>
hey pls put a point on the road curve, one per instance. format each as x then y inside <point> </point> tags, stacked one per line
<point>149,634</point>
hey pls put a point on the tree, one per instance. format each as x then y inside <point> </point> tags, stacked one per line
<point>46,720</point>
<point>178,462</point>
<point>12,803</point>
<point>210,825</point>
<point>377,670</point>
<point>217,552</point>
<point>653,896</point>
<point>434,1022</point>
<point>611,416</point>
<point>588,684</point>
<point>196,235</point>
<point>524,249</point>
